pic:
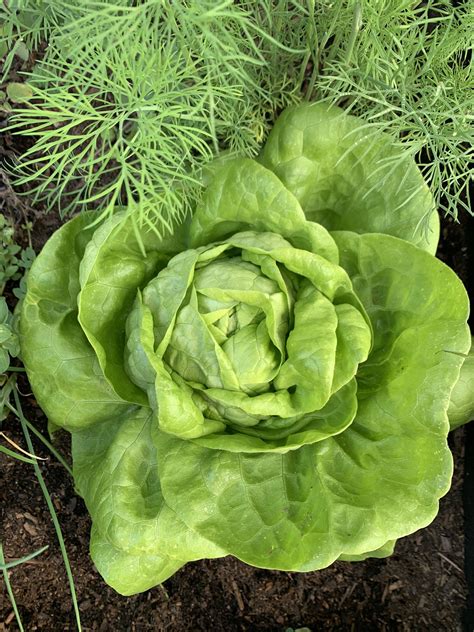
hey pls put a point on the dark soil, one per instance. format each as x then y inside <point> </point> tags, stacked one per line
<point>421,587</point>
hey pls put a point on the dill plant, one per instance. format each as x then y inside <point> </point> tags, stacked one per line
<point>407,69</point>
<point>132,99</point>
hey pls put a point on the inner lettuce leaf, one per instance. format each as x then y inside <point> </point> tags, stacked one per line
<point>272,381</point>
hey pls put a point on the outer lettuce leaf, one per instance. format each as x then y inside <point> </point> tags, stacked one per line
<point>130,574</point>
<point>137,541</point>
<point>384,551</point>
<point>348,177</point>
<point>303,509</point>
<point>114,265</point>
<point>62,366</point>
<point>461,405</point>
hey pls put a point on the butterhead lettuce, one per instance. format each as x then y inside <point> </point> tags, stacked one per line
<point>271,381</point>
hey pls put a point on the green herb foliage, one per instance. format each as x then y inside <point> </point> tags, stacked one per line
<point>407,69</point>
<point>23,26</point>
<point>15,261</point>
<point>131,99</point>
<point>9,343</point>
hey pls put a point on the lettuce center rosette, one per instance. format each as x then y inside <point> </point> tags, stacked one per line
<point>249,344</point>
<point>272,380</point>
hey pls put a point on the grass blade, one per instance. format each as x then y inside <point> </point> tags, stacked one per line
<point>43,440</point>
<point>10,590</point>
<point>57,527</point>
<point>15,455</point>
<point>21,560</point>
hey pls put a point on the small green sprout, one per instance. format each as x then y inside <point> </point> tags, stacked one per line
<point>9,343</point>
<point>15,261</point>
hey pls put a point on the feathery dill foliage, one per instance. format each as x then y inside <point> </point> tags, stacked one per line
<point>132,99</point>
<point>407,68</point>
<point>22,23</point>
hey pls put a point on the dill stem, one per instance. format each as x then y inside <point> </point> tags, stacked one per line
<point>356,24</point>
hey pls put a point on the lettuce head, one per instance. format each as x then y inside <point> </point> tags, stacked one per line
<point>271,381</point>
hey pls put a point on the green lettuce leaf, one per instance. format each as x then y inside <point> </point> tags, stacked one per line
<point>461,403</point>
<point>303,509</point>
<point>62,367</point>
<point>137,540</point>
<point>348,176</point>
<point>274,380</point>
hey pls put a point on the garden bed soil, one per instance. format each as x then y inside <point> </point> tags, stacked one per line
<point>421,587</point>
